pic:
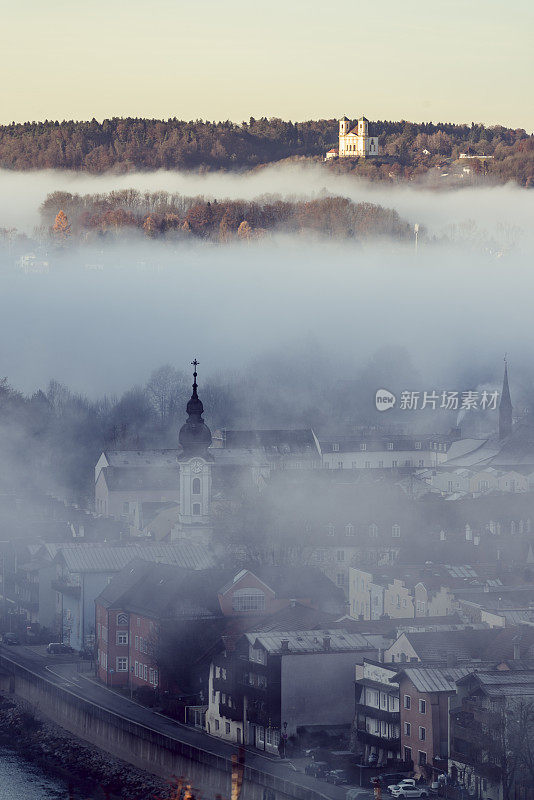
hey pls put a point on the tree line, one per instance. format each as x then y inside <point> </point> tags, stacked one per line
<point>162,214</point>
<point>126,144</point>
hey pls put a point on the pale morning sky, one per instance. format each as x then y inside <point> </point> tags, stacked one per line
<point>460,60</point>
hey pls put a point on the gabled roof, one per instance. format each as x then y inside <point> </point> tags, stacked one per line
<point>464,645</point>
<point>436,679</point>
<point>101,558</point>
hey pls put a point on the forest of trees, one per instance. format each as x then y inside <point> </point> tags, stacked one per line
<point>123,145</point>
<point>161,214</point>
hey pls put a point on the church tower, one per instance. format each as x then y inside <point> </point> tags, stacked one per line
<point>344,125</point>
<point>363,126</point>
<point>194,519</point>
<point>505,407</point>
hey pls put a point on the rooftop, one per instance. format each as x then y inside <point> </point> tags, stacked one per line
<point>310,641</point>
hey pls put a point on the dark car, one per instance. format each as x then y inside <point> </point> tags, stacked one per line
<point>317,769</point>
<point>10,638</point>
<point>337,776</point>
<point>57,648</point>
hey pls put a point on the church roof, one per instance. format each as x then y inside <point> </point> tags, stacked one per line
<point>127,479</point>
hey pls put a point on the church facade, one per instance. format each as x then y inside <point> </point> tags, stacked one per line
<point>354,141</point>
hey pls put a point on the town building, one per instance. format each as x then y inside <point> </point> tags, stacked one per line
<point>424,716</point>
<point>382,450</point>
<point>83,570</point>
<point>377,718</point>
<point>488,721</point>
<point>274,683</point>
<point>131,609</point>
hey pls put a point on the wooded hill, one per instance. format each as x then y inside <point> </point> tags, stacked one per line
<point>124,145</point>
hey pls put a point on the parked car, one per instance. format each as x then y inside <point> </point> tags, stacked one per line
<point>387,778</point>
<point>317,769</point>
<point>57,648</point>
<point>357,793</point>
<point>409,791</point>
<point>10,638</point>
<point>337,776</point>
<point>402,783</point>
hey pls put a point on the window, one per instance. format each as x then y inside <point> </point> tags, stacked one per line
<point>407,701</point>
<point>216,724</point>
<point>380,464</point>
<point>122,619</point>
<point>418,445</point>
<point>272,737</point>
<point>122,637</point>
<point>335,448</point>
<point>137,642</point>
<point>422,733</point>
<point>122,664</point>
<point>227,727</point>
<point>421,462</point>
<point>195,488</point>
<point>340,465</point>
<point>196,509</point>
<point>330,529</point>
<point>390,445</point>
<point>407,729</point>
<point>136,669</point>
<point>217,672</point>
<point>340,579</point>
<point>422,758</point>
<point>367,465</point>
<point>248,600</point>
<point>407,753</point>
<point>395,531</point>
<point>422,706</point>
<point>363,447</point>
<point>394,463</point>
<point>349,530</point>
<point>340,555</point>
<point>145,672</point>
<point>373,530</point>
<point>125,508</point>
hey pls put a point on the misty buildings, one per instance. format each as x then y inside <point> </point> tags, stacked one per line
<point>284,681</point>
<point>377,719</point>
<point>377,450</point>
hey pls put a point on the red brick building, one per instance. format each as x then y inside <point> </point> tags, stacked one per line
<point>424,715</point>
<point>143,595</point>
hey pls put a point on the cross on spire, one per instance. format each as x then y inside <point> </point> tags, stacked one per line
<point>195,364</point>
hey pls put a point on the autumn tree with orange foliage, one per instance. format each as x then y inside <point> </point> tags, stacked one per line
<point>61,227</point>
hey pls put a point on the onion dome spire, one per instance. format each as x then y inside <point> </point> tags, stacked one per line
<point>194,436</point>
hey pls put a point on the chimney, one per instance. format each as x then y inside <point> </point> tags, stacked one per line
<point>326,642</point>
<point>517,648</point>
<point>451,659</point>
<point>285,645</point>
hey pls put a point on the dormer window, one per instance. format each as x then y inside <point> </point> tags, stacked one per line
<point>331,529</point>
<point>349,530</point>
<point>418,445</point>
<point>363,446</point>
<point>335,448</point>
<point>390,445</point>
<point>395,531</point>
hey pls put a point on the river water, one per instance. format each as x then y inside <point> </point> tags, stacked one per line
<point>21,780</point>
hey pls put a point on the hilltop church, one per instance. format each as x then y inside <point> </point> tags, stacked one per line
<point>354,142</point>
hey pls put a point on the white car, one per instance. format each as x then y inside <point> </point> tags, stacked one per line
<point>409,791</point>
<point>405,782</point>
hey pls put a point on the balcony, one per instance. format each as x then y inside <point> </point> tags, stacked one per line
<point>474,759</point>
<point>378,713</point>
<point>64,587</point>
<point>377,740</point>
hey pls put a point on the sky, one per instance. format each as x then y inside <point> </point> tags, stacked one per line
<point>420,61</point>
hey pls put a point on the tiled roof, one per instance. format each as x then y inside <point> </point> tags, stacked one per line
<point>293,618</point>
<point>98,558</point>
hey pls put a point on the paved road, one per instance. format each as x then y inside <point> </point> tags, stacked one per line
<point>64,671</point>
